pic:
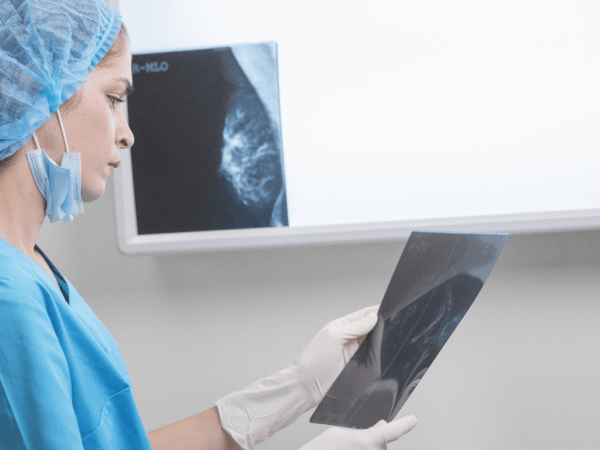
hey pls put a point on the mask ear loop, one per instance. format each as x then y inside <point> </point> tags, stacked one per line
<point>35,140</point>
<point>62,129</point>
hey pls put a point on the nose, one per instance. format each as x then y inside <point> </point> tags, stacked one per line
<point>124,135</point>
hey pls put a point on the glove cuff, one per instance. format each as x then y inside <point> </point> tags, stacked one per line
<point>257,412</point>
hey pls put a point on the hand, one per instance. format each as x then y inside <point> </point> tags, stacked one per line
<point>253,414</point>
<point>329,351</point>
<point>375,438</point>
<point>342,405</point>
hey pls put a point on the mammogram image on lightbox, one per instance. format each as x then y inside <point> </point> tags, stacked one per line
<point>435,282</point>
<point>208,151</point>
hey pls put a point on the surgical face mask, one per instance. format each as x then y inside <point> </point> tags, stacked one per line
<point>60,185</point>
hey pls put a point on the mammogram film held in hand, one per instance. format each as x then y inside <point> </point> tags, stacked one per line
<point>437,279</point>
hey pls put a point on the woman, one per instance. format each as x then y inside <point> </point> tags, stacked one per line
<point>65,69</point>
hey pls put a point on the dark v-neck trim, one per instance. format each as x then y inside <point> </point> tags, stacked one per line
<point>62,283</point>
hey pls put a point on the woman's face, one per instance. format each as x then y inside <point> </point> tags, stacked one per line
<point>95,124</point>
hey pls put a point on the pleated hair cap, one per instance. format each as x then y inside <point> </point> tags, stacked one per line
<point>47,49</point>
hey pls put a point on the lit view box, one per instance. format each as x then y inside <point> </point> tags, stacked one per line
<point>229,154</point>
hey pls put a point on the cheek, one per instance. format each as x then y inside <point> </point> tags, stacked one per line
<point>95,144</point>
<point>94,137</point>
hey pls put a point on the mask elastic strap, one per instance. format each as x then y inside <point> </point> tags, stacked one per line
<point>62,129</point>
<point>37,143</point>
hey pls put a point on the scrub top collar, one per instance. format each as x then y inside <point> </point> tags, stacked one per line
<point>62,283</point>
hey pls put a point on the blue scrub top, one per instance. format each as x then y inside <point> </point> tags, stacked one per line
<point>63,381</point>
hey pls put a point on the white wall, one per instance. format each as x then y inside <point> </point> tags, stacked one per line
<point>521,371</point>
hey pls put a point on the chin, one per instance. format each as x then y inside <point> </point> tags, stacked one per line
<point>90,195</point>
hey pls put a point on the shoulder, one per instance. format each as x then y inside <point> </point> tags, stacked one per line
<point>22,315</point>
<point>21,278</point>
<point>13,264</point>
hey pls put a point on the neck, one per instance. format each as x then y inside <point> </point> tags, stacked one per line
<point>22,206</point>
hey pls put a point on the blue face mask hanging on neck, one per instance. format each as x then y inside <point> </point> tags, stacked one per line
<point>60,185</point>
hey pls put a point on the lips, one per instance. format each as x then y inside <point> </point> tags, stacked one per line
<point>115,164</point>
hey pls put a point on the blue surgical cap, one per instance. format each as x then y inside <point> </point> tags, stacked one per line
<point>47,49</point>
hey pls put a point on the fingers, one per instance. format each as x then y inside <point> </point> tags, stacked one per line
<point>389,432</point>
<point>359,327</point>
<point>378,436</point>
<point>357,315</point>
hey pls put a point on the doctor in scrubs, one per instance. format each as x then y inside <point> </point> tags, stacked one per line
<point>65,69</point>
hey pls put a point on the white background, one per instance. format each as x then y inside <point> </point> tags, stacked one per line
<point>399,110</point>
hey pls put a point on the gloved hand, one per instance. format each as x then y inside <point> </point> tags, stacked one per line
<point>345,396</point>
<point>254,414</point>
<point>327,354</point>
<point>375,438</point>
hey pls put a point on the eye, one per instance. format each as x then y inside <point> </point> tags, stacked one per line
<point>113,101</point>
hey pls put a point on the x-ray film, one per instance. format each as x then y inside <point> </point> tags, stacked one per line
<point>435,282</point>
<point>208,152</point>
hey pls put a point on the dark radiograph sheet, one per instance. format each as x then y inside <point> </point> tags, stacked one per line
<point>435,282</point>
<point>208,153</point>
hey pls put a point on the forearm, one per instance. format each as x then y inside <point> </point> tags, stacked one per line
<point>255,413</point>
<point>202,431</point>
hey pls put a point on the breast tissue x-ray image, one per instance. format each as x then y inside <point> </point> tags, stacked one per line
<point>438,277</point>
<point>207,152</point>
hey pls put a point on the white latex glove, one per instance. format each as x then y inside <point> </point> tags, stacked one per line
<point>327,354</point>
<point>375,438</point>
<point>254,414</point>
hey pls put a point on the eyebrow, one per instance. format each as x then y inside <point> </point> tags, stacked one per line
<point>128,85</point>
